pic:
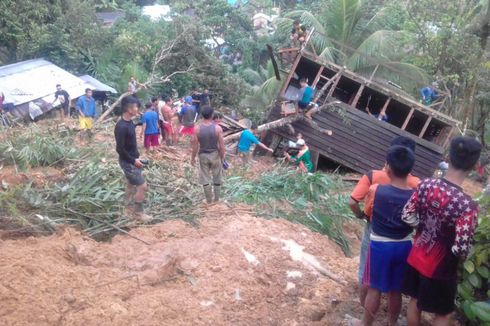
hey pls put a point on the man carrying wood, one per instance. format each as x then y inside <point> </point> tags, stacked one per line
<point>207,140</point>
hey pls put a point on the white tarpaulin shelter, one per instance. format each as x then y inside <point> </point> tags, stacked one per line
<point>96,85</point>
<point>35,81</point>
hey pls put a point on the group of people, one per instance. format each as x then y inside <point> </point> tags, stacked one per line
<point>396,203</point>
<point>207,144</point>
<point>423,267</point>
<point>160,118</point>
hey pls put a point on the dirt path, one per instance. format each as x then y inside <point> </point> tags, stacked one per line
<point>233,269</point>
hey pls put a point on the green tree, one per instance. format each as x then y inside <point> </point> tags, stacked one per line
<point>344,36</point>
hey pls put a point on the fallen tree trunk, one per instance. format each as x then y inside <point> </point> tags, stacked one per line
<point>112,107</point>
<point>286,121</point>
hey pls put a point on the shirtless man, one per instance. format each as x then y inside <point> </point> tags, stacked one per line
<point>167,112</point>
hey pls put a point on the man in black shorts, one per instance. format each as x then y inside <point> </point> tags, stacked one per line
<point>64,98</point>
<point>446,219</point>
<point>131,164</point>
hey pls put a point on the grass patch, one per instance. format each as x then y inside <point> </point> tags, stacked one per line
<point>313,200</point>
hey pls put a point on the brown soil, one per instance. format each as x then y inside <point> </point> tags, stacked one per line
<point>231,269</point>
<point>472,187</point>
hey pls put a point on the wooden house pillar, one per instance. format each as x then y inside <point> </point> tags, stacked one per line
<point>317,78</point>
<point>407,119</point>
<point>335,83</point>
<point>358,96</point>
<point>426,125</point>
<point>385,106</point>
<point>291,74</point>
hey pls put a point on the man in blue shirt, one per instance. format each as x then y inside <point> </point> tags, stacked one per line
<point>86,110</point>
<point>305,95</point>
<point>150,132</point>
<point>188,117</point>
<point>429,94</point>
<point>247,138</point>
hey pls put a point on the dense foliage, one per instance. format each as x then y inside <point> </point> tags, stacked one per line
<point>474,285</point>
<point>313,200</point>
<point>413,43</point>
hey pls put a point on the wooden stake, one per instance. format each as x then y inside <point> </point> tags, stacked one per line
<point>424,129</point>
<point>407,119</point>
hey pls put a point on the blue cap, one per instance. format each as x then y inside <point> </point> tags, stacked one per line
<point>188,99</point>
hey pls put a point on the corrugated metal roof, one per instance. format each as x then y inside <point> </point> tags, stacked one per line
<point>97,85</point>
<point>35,79</point>
<point>30,80</point>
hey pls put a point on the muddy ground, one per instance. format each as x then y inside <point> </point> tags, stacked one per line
<point>231,268</point>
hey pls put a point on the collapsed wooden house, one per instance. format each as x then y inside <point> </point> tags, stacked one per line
<point>359,141</point>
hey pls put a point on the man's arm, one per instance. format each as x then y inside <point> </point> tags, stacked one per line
<point>55,98</point>
<point>194,145</point>
<point>369,202</point>
<point>79,107</point>
<point>359,194</point>
<point>143,129</point>
<point>221,143</point>
<point>410,214</point>
<point>465,229</point>
<point>265,147</point>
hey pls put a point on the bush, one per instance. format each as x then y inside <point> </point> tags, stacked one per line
<point>474,286</point>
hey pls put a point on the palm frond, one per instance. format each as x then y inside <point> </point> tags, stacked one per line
<point>307,18</point>
<point>283,25</point>
<point>342,18</point>
<point>404,73</point>
<point>252,77</point>
<point>379,46</point>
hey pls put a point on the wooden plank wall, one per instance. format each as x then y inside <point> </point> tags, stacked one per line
<point>360,144</point>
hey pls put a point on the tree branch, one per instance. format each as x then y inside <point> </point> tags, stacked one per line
<point>164,53</point>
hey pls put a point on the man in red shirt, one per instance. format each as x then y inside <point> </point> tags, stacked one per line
<point>445,218</point>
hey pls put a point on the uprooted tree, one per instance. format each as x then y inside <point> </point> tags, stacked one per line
<point>166,52</point>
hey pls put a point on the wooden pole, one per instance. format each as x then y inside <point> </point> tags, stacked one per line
<point>448,137</point>
<point>358,96</point>
<point>426,125</point>
<point>290,76</point>
<point>317,78</point>
<point>385,107</point>
<point>334,86</point>
<point>324,87</point>
<point>407,119</point>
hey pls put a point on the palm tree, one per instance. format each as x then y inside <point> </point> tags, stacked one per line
<point>264,86</point>
<point>348,40</point>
